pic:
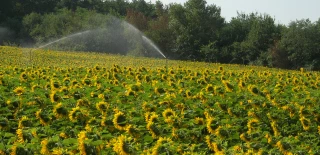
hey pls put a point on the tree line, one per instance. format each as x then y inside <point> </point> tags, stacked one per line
<point>192,31</point>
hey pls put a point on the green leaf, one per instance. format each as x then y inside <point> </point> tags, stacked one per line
<point>148,139</point>
<point>98,142</point>
<point>2,146</point>
<point>69,141</point>
<point>264,140</point>
<point>9,135</point>
<point>236,135</point>
<point>55,138</point>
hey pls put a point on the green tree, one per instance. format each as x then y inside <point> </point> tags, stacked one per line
<point>301,43</point>
<point>195,24</point>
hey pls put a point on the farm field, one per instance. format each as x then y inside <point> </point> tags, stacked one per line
<point>58,103</point>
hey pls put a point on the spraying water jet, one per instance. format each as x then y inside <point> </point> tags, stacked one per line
<point>116,37</point>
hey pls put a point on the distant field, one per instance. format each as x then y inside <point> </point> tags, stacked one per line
<point>54,102</point>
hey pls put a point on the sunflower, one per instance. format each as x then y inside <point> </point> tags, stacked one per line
<point>102,107</point>
<point>283,147</point>
<point>269,138</point>
<point>159,90</point>
<point>214,146</point>
<point>55,85</point>
<point>74,82</point>
<point>209,88</point>
<point>188,94</point>
<point>237,149</point>
<point>228,86</point>
<point>148,107</point>
<point>19,90</point>
<point>153,117</point>
<point>221,132</point>
<point>66,81</point>
<point>153,129</point>
<point>83,103</point>
<point>253,89</point>
<point>81,144</point>
<point>76,114</point>
<point>35,87</point>
<point>130,93</point>
<point>23,76</point>
<point>208,141</point>
<point>180,106</point>
<point>147,116</point>
<point>60,111</point>
<point>64,90</point>
<point>229,110</point>
<point>212,125</point>
<point>132,131</point>
<point>86,81</point>
<point>122,145</point>
<point>14,149</point>
<point>19,133</point>
<point>23,122</point>
<point>44,148</point>
<point>241,84</point>
<point>199,121</point>
<point>252,124</point>
<point>54,97</point>
<point>167,114</point>
<point>147,78</point>
<point>44,120</point>
<point>58,151</point>
<point>159,147</point>
<point>245,137</point>
<point>63,135</point>
<point>119,121</point>
<point>275,128</point>
<point>305,123</point>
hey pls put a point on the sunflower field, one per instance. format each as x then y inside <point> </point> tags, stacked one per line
<point>59,103</point>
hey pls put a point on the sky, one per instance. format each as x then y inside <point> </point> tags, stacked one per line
<point>283,11</point>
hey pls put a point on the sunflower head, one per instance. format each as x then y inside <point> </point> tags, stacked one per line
<point>60,111</point>
<point>19,90</point>
<point>130,93</point>
<point>102,107</point>
<point>83,103</point>
<point>209,88</point>
<point>54,97</point>
<point>23,76</point>
<point>159,90</point>
<point>122,145</point>
<point>44,119</point>
<point>212,125</point>
<point>254,90</point>
<point>78,114</point>
<point>168,113</point>
<point>23,122</point>
<point>120,121</point>
<point>55,84</point>
<point>228,85</point>
<point>199,121</point>
<point>153,129</point>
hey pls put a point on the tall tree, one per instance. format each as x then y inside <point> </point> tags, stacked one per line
<point>301,43</point>
<point>159,30</point>
<point>195,24</point>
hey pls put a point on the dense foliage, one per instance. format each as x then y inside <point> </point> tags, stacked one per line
<point>192,31</point>
<point>91,103</point>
